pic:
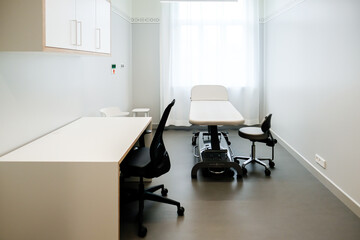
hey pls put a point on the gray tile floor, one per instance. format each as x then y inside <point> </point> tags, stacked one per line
<point>291,204</point>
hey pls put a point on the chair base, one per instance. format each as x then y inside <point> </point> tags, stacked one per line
<point>150,195</point>
<point>253,159</point>
<point>258,161</point>
<point>142,194</point>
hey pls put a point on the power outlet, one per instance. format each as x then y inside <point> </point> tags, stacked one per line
<point>320,161</point>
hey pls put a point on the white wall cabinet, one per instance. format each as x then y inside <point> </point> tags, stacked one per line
<point>53,25</point>
<point>60,24</point>
<point>85,24</point>
<point>102,40</point>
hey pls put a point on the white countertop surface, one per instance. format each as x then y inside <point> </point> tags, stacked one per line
<point>88,139</point>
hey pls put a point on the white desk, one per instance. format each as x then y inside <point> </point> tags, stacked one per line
<point>65,185</point>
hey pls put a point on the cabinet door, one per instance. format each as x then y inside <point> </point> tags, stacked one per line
<point>60,24</point>
<point>85,16</point>
<point>102,26</point>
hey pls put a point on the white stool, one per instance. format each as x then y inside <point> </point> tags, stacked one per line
<point>112,112</point>
<point>145,111</point>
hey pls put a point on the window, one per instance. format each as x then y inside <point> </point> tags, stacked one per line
<point>210,43</point>
<point>210,47</point>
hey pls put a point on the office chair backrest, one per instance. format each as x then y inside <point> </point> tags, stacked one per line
<point>266,124</point>
<point>160,161</point>
<point>209,93</point>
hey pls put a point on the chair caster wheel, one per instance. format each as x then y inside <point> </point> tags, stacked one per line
<point>164,192</point>
<point>244,170</point>
<point>267,172</point>
<point>142,231</point>
<point>271,164</point>
<point>180,211</point>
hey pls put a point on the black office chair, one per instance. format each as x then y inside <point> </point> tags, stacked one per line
<point>150,163</point>
<point>258,133</point>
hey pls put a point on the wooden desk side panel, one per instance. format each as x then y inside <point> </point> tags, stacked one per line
<point>72,201</point>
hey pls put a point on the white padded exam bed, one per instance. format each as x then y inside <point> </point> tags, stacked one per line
<point>210,106</point>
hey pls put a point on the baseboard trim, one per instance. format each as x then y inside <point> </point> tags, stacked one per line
<point>328,183</point>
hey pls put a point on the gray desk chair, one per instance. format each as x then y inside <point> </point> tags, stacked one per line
<point>150,163</point>
<point>258,133</point>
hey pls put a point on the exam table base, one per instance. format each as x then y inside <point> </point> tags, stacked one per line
<point>215,161</point>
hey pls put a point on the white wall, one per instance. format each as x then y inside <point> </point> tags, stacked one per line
<point>146,56</point>
<point>123,6</point>
<point>273,8</point>
<point>40,92</point>
<point>146,68</point>
<point>312,59</point>
<point>146,9</point>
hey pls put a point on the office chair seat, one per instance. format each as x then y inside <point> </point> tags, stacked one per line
<point>253,133</point>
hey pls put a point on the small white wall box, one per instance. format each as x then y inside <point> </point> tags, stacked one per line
<point>320,161</point>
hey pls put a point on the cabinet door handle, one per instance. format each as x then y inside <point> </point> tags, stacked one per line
<point>79,33</point>
<point>98,38</point>
<point>73,32</point>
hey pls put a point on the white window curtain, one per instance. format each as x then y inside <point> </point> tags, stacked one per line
<point>210,43</point>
